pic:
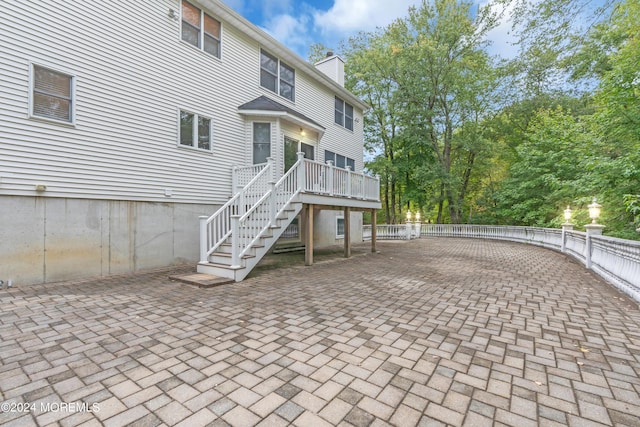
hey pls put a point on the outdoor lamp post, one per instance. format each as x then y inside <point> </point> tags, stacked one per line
<point>567,215</point>
<point>567,226</point>
<point>593,229</point>
<point>594,211</point>
<point>408,227</point>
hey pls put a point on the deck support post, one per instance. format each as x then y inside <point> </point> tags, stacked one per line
<point>308,235</point>
<point>347,232</point>
<point>374,230</point>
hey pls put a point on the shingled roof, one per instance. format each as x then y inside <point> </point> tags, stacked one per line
<point>263,103</point>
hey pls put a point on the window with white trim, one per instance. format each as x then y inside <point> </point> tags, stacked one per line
<point>339,160</point>
<point>343,113</point>
<point>261,142</point>
<point>200,30</point>
<point>339,227</point>
<point>52,94</point>
<point>277,76</point>
<point>195,131</point>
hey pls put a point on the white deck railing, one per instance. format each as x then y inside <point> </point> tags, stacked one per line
<point>616,260</point>
<point>330,180</point>
<point>255,206</point>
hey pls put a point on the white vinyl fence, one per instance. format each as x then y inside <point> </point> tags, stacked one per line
<point>616,260</point>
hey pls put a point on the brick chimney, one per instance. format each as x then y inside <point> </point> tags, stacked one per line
<point>332,66</point>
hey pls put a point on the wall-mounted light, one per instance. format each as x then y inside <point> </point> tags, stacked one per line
<point>594,211</point>
<point>173,15</point>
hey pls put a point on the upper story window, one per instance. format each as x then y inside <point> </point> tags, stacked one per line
<point>195,130</point>
<point>344,114</point>
<point>200,29</point>
<point>277,76</point>
<point>52,96</point>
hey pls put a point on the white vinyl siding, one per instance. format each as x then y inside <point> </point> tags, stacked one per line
<point>127,92</point>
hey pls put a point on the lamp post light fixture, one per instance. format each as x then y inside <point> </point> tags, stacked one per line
<point>567,215</point>
<point>408,216</point>
<point>418,226</point>
<point>567,226</point>
<point>593,229</point>
<point>594,211</point>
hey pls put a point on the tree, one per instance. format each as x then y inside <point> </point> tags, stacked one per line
<point>548,172</point>
<point>445,83</point>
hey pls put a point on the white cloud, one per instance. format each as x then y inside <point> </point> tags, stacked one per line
<point>347,17</point>
<point>289,30</point>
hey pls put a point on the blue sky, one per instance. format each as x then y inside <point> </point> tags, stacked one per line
<point>298,24</point>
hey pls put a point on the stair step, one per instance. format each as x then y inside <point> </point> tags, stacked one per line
<point>218,265</point>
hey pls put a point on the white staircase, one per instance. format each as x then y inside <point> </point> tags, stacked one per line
<point>235,238</point>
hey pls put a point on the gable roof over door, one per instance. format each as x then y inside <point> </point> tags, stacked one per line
<point>264,106</point>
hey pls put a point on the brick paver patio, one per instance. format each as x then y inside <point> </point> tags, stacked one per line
<point>429,332</point>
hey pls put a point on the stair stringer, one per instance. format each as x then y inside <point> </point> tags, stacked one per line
<point>268,241</point>
<point>258,251</point>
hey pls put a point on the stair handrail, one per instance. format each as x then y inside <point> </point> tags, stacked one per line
<point>214,230</point>
<point>249,227</point>
<point>242,175</point>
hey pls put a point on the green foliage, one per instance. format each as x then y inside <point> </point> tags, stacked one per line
<point>461,137</point>
<point>430,84</point>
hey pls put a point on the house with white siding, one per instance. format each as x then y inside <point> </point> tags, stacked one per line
<point>137,135</point>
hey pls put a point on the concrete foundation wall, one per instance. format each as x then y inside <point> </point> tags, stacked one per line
<point>52,239</point>
<point>324,230</point>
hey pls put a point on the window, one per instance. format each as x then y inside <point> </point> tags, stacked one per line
<point>351,163</point>
<point>339,227</point>
<point>195,130</point>
<point>277,76</point>
<point>344,113</point>
<point>52,96</point>
<point>339,160</point>
<point>261,142</point>
<point>193,23</point>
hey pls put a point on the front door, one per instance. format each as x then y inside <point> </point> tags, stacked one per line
<point>291,149</point>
